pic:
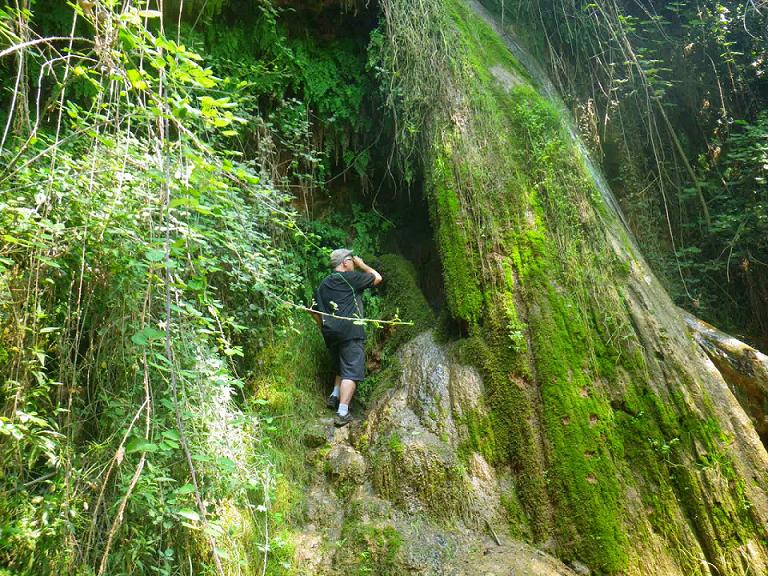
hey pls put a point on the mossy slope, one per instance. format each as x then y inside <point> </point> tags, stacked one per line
<point>609,416</point>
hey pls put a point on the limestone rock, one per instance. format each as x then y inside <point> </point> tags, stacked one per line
<point>346,465</point>
<point>414,433</point>
<point>744,368</point>
<point>317,434</point>
<point>580,568</point>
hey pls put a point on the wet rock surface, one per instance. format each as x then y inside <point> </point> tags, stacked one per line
<point>415,432</point>
<point>392,496</point>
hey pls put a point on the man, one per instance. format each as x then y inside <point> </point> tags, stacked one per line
<point>339,298</point>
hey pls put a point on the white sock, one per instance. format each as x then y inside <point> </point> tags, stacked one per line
<point>335,391</point>
<point>343,409</point>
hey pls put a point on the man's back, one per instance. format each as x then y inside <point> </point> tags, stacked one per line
<point>340,294</point>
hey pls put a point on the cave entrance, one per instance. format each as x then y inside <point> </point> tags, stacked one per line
<point>413,237</point>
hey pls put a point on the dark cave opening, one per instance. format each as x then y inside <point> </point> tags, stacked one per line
<point>412,236</point>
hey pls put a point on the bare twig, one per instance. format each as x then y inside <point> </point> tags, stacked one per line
<point>49,39</point>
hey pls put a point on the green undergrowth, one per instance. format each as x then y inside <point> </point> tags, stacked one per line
<point>134,276</point>
<point>288,386</point>
<point>309,88</point>
<point>286,392</point>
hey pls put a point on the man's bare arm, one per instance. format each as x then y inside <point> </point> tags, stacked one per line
<point>365,268</point>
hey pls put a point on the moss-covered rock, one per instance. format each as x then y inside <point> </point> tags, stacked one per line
<point>421,439</point>
<point>402,298</point>
<point>626,448</point>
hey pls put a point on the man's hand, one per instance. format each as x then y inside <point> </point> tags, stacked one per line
<point>365,268</point>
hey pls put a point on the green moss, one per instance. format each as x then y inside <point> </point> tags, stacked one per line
<point>379,381</point>
<point>727,525</point>
<point>463,293</point>
<point>519,526</point>
<point>369,549</point>
<point>480,436</point>
<point>282,553</point>
<point>660,436</point>
<point>582,478</point>
<point>493,50</point>
<point>531,276</point>
<point>427,473</point>
<point>511,423</point>
<point>403,298</point>
<point>395,445</point>
<point>286,392</point>
<point>579,426</point>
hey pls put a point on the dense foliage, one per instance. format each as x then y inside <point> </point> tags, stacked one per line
<point>145,260</point>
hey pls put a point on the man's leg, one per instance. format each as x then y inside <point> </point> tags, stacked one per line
<point>347,391</point>
<point>333,400</point>
<point>352,363</point>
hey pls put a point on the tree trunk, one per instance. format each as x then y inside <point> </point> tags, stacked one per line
<point>744,368</point>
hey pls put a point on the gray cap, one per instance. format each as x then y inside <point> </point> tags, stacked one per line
<point>338,255</point>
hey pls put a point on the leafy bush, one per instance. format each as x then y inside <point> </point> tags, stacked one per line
<point>140,259</point>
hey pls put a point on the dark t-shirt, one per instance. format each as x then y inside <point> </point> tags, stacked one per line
<point>340,294</point>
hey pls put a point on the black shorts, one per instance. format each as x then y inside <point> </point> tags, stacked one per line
<point>348,357</point>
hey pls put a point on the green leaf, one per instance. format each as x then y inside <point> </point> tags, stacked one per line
<point>155,255</point>
<point>153,332</point>
<point>186,489</point>
<point>169,445</point>
<point>196,284</point>
<point>172,435</point>
<point>134,77</point>
<point>140,445</point>
<point>183,201</point>
<point>189,514</point>
<point>143,336</point>
<point>226,464</point>
<point>139,339</point>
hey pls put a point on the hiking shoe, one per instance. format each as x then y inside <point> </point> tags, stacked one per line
<point>332,402</point>
<point>340,420</point>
